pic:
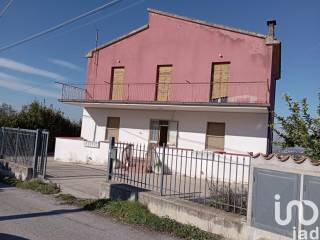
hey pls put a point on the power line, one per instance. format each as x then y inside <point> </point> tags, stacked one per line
<point>6,7</point>
<point>99,19</point>
<point>59,26</point>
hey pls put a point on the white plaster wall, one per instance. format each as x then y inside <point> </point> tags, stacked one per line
<point>245,132</point>
<point>74,150</point>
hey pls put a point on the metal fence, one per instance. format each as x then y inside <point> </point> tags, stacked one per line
<point>25,147</point>
<point>215,179</point>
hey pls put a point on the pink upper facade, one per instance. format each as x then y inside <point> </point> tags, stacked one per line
<point>191,48</point>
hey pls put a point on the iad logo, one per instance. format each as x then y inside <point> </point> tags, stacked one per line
<point>298,234</point>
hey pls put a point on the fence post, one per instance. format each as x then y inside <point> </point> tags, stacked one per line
<point>36,152</point>
<point>46,156</point>
<point>2,143</point>
<point>162,168</point>
<point>111,157</point>
<point>16,148</point>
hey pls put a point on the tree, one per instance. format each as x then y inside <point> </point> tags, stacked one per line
<point>299,128</point>
<point>38,116</point>
<point>8,116</point>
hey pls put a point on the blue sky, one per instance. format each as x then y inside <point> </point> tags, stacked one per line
<point>28,72</point>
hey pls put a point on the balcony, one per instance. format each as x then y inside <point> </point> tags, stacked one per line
<point>197,94</point>
<point>222,92</point>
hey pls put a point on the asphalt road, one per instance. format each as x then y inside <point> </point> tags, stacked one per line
<point>29,215</point>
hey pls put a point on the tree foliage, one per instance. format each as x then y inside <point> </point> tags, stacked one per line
<point>38,116</point>
<point>300,128</point>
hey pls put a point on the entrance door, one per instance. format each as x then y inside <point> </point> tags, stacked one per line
<point>164,80</point>
<point>163,138</point>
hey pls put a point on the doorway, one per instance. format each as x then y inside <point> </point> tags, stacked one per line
<point>163,138</point>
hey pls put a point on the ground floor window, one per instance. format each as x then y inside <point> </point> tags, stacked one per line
<point>215,136</point>
<point>112,130</point>
<point>164,132</point>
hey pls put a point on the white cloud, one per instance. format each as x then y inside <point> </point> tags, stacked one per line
<point>66,64</point>
<point>21,67</point>
<point>14,83</point>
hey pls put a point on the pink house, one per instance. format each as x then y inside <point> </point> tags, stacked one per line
<point>181,82</point>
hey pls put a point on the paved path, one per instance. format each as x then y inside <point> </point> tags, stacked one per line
<point>82,181</point>
<point>29,215</point>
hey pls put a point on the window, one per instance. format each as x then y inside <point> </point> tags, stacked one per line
<point>163,83</point>
<point>113,125</point>
<point>117,83</point>
<point>163,132</point>
<point>219,83</point>
<point>215,136</point>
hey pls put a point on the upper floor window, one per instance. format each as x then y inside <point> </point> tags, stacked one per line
<point>163,82</point>
<point>116,88</point>
<point>215,136</point>
<point>219,82</point>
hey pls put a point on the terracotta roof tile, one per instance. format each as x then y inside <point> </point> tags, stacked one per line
<point>284,157</point>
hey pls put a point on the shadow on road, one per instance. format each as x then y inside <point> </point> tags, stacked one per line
<point>39,214</point>
<point>4,236</point>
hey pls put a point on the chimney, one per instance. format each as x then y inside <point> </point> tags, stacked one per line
<point>271,25</point>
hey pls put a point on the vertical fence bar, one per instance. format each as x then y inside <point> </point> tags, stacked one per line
<point>36,153</point>
<point>2,143</point>
<point>46,155</point>
<point>16,145</point>
<point>111,158</point>
<point>162,168</point>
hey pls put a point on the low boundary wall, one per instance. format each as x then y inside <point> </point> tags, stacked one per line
<point>230,226</point>
<point>8,168</point>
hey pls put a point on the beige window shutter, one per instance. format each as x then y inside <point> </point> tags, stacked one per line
<point>164,81</point>
<point>215,136</point>
<point>220,79</point>
<point>117,83</point>
<point>113,125</point>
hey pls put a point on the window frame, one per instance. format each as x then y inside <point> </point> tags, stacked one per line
<point>212,75</point>
<point>112,79</point>
<point>150,130</point>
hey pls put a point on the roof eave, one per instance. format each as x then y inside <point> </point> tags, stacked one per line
<point>237,30</point>
<point>140,29</point>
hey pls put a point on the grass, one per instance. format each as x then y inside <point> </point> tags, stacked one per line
<point>136,213</point>
<point>34,184</point>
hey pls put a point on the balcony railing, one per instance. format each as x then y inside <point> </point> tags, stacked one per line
<point>222,92</point>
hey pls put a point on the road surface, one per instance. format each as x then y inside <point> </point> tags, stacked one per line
<point>29,215</point>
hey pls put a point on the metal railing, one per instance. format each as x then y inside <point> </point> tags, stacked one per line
<point>219,180</point>
<point>25,147</point>
<point>222,92</point>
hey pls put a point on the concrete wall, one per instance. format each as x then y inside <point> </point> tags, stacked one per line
<point>228,225</point>
<point>12,169</point>
<point>245,132</point>
<point>191,49</point>
<point>74,150</point>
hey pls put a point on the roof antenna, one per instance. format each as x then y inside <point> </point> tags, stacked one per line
<point>97,42</point>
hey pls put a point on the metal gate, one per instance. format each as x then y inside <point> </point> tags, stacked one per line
<point>213,179</point>
<point>25,147</point>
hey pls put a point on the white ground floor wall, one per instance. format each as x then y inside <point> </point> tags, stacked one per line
<point>76,150</point>
<point>245,132</point>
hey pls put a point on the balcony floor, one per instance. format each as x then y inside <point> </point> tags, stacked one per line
<point>172,106</point>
